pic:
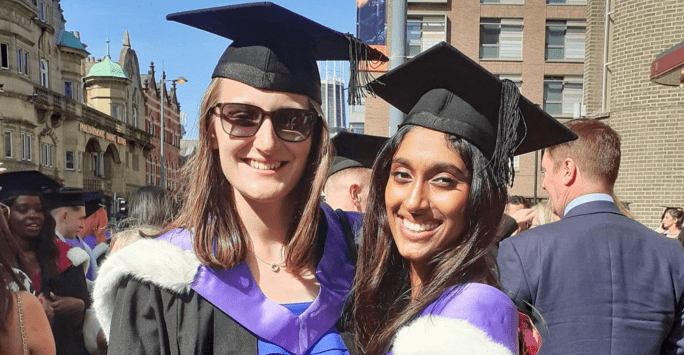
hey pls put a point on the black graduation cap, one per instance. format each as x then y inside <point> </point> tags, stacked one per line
<point>93,200</point>
<point>64,197</point>
<point>276,49</point>
<point>355,150</point>
<point>443,89</point>
<point>24,183</point>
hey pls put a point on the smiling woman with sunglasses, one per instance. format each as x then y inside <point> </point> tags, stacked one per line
<point>254,264</point>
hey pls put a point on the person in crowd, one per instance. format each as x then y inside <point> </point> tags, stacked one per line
<point>516,203</point>
<point>131,234</point>
<point>96,221</point>
<point>349,176</point>
<point>67,208</point>
<point>153,206</point>
<point>604,283</point>
<point>543,214</point>
<point>425,280</point>
<point>24,327</point>
<point>267,268</point>
<point>56,268</point>
<point>94,233</point>
<point>671,223</point>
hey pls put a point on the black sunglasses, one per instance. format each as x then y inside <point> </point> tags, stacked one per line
<point>243,120</point>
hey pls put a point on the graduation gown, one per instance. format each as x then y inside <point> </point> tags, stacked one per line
<point>154,297</point>
<point>471,319</point>
<point>71,282</point>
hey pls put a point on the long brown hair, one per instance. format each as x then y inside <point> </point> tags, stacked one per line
<point>9,251</point>
<point>220,239</point>
<point>381,300</point>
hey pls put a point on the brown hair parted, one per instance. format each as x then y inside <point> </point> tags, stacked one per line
<point>220,239</point>
<point>596,152</point>
<point>381,300</point>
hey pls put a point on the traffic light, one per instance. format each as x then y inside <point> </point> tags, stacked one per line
<point>121,207</point>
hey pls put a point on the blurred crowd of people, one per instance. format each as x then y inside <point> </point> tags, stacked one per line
<point>52,240</point>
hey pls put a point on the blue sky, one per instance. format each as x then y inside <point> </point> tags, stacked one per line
<point>183,50</point>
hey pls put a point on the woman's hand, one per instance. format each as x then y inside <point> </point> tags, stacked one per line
<point>47,307</point>
<point>71,307</point>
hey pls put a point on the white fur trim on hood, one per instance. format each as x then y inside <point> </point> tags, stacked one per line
<point>78,256</point>
<point>435,335</point>
<point>148,260</point>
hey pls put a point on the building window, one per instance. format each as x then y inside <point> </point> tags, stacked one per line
<point>515,78</point>
<point>22,61</point>
<point>26,143</point>
<point>125,115</point>
<point>8,144</point>
<point>501,39</point>
<point>68,89</point>
<point>423,32</point>
<point>44,73</point>
<point>97,164</point>
<point>506,2</point>
<point>47,157</point>
<point>69,163</point>
<point>563,95</point>
<point>356,127</point>
<point>43,10</point>
<point>566,2</point>
<point>565,40</point>
<point>115,111</point>
<point>4,56</point>
<point>516,163</point>
<point>79,161</point>
<point>135,117</point>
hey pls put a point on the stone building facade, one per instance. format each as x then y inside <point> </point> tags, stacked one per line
<point>47,118</point>
<point>538,44</point>
<point>648,116</point>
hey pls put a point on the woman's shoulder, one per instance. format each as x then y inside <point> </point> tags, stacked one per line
<point>482,318</point>
<point>38,332</point>
<point>154,264</point>
<point>164,261</point>
<point>469,297</point>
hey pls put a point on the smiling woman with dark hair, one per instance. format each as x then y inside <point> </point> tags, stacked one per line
<point>426,279</point>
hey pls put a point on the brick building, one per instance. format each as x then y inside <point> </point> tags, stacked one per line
<point>538,44</point>
<point>153,91</point>
<point>648,116</point>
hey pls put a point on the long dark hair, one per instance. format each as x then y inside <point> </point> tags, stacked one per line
<point>45,247</point>
<point>208,204</point>
<point>9,250</point>
<point>381,300</point>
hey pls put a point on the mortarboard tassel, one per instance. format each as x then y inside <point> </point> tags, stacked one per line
<point>507,140</point>
<point>359,74</point>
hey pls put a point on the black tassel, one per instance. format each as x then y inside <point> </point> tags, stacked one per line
<point>507,140</point>
<point>359,73</point>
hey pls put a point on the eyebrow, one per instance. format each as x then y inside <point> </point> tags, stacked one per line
<point>437,166</point>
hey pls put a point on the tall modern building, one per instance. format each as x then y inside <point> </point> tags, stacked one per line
<point>333,93</point>
<point>648,116</point>
<point>538,44</point>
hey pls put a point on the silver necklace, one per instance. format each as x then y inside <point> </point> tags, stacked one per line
<point>275,267</point>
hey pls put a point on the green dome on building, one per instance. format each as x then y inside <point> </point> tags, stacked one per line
<point>68,39</point>
<point>107,68</point>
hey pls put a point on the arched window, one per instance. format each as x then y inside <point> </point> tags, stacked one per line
<point>44,73</point>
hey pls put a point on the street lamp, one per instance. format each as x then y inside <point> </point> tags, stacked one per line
<point>179,80</point>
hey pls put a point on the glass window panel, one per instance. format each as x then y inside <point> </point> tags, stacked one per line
<point>489,52</point>
<point>555,36</point>
<point>490,34</point>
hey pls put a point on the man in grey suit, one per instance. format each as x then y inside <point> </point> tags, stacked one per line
<point>603,283</point>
